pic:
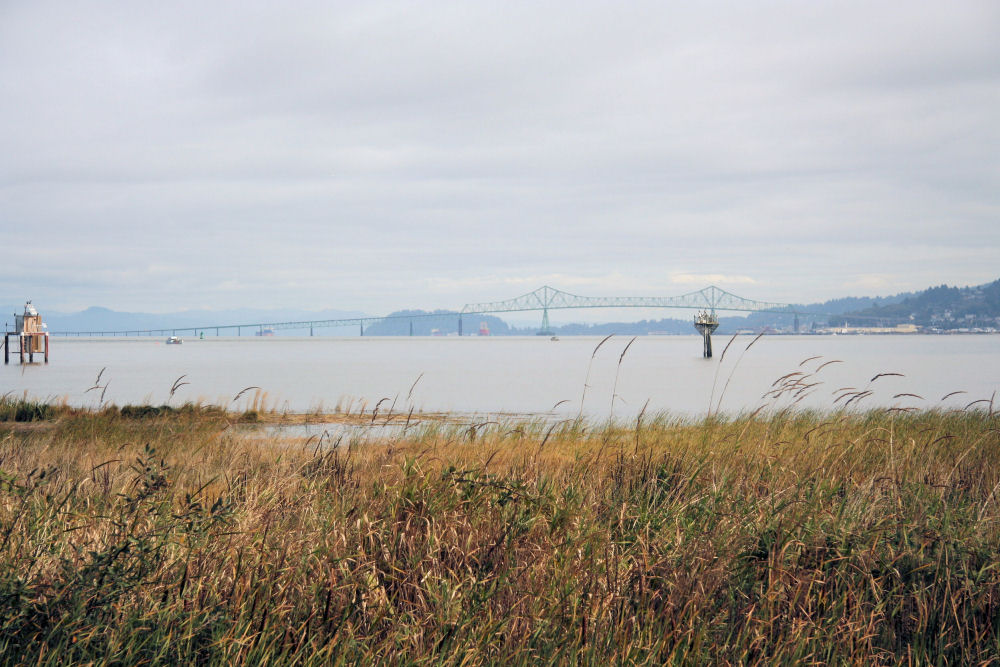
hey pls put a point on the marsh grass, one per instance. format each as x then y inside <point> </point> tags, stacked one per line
<point>24,410</point>
<point>163,536</point>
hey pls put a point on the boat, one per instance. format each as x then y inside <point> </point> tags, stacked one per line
<point>174,340</point>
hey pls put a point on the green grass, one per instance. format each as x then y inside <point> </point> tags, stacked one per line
<point>164,536</point>
<point>24,410</point>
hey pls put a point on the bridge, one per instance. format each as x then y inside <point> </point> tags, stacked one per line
<point>544,299</point>
<point>547,298</point>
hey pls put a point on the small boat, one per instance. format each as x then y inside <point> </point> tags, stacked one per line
<point>554,338</point>
<point>174,340</point>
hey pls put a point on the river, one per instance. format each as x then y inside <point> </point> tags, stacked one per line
<point>524,375</point>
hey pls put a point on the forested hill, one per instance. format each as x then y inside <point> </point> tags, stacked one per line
<point>943,307</point>
<point>436,322</point>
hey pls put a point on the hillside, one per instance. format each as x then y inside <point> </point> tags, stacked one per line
<point>435,322</point>
<point>942,307</point>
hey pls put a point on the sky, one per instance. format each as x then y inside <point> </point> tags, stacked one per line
<point>375,156</point>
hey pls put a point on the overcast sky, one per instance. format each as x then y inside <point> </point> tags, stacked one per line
<point>158,156</point>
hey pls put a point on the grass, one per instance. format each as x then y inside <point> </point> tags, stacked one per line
<point>24,410</point>
<point>166,535</point>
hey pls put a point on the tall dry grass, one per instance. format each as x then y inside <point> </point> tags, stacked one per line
<point>166,535</point>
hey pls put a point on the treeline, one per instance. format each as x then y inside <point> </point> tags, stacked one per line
<point>942,306</point>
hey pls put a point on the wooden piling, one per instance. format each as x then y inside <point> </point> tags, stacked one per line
<point>6,348</point>
<point>46,348</point>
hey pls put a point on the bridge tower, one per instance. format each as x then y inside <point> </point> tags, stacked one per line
<point>546,330</point>
<point>706,323</point>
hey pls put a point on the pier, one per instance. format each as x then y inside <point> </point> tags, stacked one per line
<point>706,323</point>
<point>30,334</point>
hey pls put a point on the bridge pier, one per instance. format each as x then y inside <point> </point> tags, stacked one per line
<point>546,330</point>
<point>459,325</point>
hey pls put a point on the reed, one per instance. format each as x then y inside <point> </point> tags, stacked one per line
<point>165,535</point>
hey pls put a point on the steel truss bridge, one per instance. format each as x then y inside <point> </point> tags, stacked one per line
<point>547,298</point>
<point>544,299</point>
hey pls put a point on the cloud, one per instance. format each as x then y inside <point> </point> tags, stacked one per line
<point>870,284</point>
<point>387,155</point>
<point>705,279</point>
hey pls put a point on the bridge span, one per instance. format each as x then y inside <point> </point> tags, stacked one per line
<point>709,299</point>
<point>544,299</point>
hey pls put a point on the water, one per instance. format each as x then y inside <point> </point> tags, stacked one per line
<point>488,376</point>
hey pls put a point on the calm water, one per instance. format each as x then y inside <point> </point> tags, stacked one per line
<point>520,375</point>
